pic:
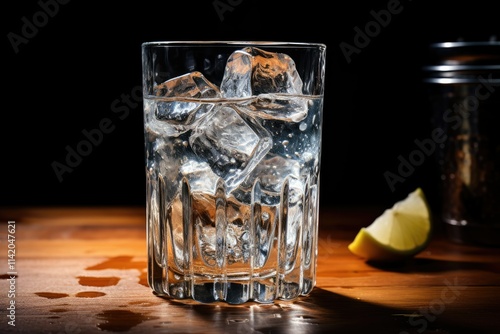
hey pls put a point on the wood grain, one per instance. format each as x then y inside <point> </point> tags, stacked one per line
<point>83,270</point>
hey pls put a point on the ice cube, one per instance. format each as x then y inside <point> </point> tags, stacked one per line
<point>181,108</point>
<point>192,85</point>
<point>173,118</point>
<point>252,71</point>
<point>282,107</point>
<point>231,142</point>
<point>200,176</point>
<point>271,172</point>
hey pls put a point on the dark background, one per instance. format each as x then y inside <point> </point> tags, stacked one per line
<point>85,58</point>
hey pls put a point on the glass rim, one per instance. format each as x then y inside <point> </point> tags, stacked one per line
<point>220,43</point>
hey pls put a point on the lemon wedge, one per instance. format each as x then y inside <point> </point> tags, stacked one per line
<point>398,233</point>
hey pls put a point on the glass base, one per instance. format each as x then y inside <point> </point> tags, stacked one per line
<point>228,290</point>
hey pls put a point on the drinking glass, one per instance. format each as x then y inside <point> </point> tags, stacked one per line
<point>232,154</point>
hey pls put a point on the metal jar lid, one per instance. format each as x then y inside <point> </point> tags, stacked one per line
<point>463,62</point>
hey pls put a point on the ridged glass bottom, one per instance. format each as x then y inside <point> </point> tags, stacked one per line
<point>212,247</point>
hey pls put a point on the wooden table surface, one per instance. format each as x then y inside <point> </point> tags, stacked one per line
<point>83,270</point>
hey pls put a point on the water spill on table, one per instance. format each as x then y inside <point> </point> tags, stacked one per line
<point>89,294</point>
<point>51,295</point>
<point>98,281</point>
<point>6,276</point>
<point>120,320</point>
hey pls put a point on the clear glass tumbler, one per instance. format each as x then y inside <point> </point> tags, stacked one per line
<point>232,149</point>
